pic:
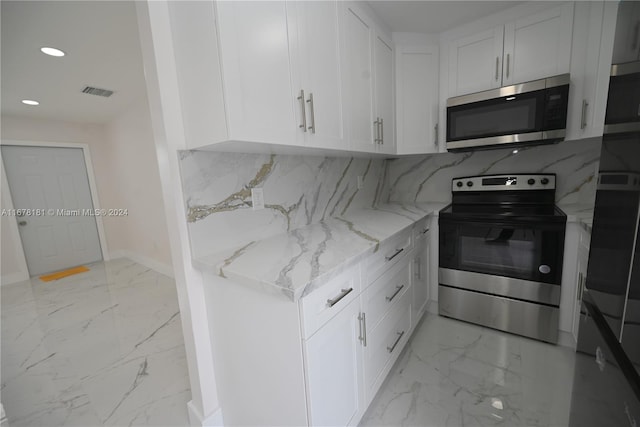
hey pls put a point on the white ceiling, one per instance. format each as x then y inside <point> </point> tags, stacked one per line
<point>102,46</point>
<point>434,17</point>
<point>101,42</point>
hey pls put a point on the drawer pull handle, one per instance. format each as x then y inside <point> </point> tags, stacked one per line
<point>363,329</point>
<point>389,258</point>
<point>393,347</point>
<point>343,293</point>
<point>398,289</point>
<point>425,231</point>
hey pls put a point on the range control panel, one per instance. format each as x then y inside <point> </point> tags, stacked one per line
<point>505,182</point>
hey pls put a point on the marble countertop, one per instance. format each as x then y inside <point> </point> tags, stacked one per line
<point>580,213</point>
<point>297,262</point>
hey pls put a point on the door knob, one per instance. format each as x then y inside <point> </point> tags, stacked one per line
<point>22,223</point>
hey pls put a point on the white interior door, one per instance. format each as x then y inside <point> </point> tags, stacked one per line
<point>51,196</point>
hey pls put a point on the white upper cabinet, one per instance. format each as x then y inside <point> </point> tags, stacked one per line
<point>475,62</point>
<point>368,83</point>
<point>538,46</point>
<point>417,98</point>
<point>384,102</point>
<point>528,48</point>
<point>255,61</point>
<point>627,41</point>
<point>315,38</point>
<point>358,78</point>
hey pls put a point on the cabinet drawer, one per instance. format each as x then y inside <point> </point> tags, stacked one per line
<point>328,300</point>
<point>420,230</point>
<point>391,251</point>
<point>382,294</point>
<point>385,342</point>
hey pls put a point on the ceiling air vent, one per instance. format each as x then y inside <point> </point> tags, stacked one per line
<point>97,91</point>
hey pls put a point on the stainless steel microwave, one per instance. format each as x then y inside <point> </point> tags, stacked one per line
<point>524,114</point>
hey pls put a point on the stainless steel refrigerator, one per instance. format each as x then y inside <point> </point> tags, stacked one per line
<point>606,388</point>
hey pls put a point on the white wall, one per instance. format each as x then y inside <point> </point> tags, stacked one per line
<point>128,178</point>
<point>126,175</point>
<point>15,128</point>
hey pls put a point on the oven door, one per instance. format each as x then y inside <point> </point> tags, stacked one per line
<point>515,259</point>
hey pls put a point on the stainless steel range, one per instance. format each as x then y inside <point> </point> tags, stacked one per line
<point>501,247</point>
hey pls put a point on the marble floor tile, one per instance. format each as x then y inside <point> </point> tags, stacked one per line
<point>101,348</point>
<point>459,374</point>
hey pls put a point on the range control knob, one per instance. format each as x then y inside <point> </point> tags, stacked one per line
<point>531,181</point>
<point>544,181</point>
<point>469,183</point>
<point>459,183</point>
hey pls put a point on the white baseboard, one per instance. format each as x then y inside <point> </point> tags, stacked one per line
<point>151,263</point>
<point>197,419</point>
<point>8,279</point>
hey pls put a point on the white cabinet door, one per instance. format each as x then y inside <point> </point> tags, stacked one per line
<point>334,370</point>
<point>383,58</point>
<point>538,45</point>
<point>420,279</point>
<point>257,76</point>
<point>475,62</point>
<point>358,78</point>
<point>416,99</point>
<point>627,41</point>
<point>581,276</point>
<point>317,46</point>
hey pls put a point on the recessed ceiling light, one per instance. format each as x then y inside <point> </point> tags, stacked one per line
<point>52,51</point>
<point>30,102</point>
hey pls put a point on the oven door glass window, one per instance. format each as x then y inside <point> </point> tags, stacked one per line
<point>519,251</point>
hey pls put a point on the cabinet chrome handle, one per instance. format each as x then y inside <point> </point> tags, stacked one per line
<point>312,128</point>
<point>376,131</point>
<point>425,231</point>
<point>435,136</point>
<point>389,258</point>
<point>583,117</point>
<point>300,98</point>
<point>497,67</point>
<point>343,293</point>
<point>363,329</point>
<point>398,289</point>
<point>393,347</point>
<point>601,361</point>
<point>508,55</point>
<point>382,131</point>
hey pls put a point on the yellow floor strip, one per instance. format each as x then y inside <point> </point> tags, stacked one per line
<point>63,273</point>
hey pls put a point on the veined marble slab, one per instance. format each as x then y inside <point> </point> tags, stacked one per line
<point>428,178</point>
<point>296,262</point>
<point>580,213</point>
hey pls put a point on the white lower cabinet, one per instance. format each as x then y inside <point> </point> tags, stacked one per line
<point>334,370</point>
<point>321,360</point>
<point>384,344</point>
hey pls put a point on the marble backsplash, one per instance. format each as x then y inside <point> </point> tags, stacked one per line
<point>304,190</point>
<point>428,178</point>
<point>298,191</point>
